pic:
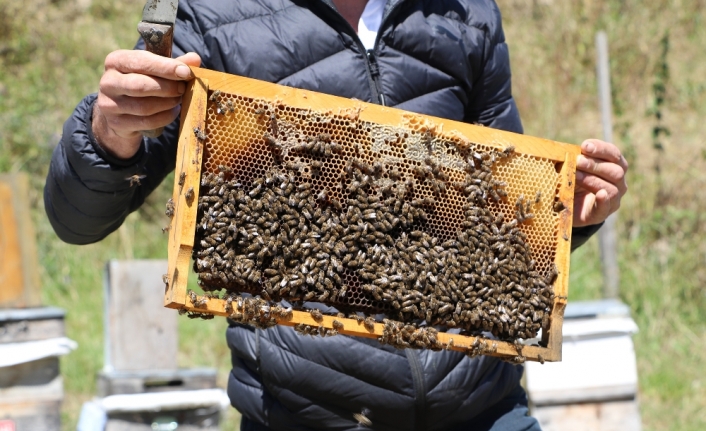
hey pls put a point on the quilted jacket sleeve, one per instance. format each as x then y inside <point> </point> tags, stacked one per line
<point>492,103</point>
<point>88,193</point>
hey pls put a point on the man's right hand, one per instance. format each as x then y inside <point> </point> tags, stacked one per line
<point>138,91</point>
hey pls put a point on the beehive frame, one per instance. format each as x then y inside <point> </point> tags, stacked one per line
<point>190,166</point>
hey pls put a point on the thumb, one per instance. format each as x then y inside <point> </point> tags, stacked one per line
<point>596,207</point>
<point>189,59</point>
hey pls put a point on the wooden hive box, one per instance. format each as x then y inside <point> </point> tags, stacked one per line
<point>19,274</point>
<point>31,392</point>
<point>453,181</point>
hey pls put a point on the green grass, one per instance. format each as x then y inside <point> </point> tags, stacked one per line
<point>51,54</point>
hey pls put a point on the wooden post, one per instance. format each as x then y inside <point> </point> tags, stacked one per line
<point>607,240</point>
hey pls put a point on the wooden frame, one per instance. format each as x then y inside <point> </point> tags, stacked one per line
<point>189,161</point>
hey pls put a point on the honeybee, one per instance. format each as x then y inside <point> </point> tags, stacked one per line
<point>362,418</point>
<point>316,315</point>
<point>182,178</point>
<point>215,95</point>
<point>200,134</point>
<point>273,125</point>
<point>228,307</point>
<point>369,323</point>
<point>337,325</point>
<point>189,195</point>
<point>135,179</point>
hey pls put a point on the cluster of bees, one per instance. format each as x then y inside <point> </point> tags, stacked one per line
<point>280,238</point>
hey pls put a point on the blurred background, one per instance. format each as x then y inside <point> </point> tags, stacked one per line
<point>52,52</point>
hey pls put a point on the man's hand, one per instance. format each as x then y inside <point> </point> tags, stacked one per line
<point>138,91</point>
<point>600,182</point>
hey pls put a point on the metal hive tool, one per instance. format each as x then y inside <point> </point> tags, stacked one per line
<point>362,189</point>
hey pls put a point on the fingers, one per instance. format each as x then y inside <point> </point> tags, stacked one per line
<point>145,106</point>
<point>140,90</point>
<point>600,182</point>
<point>146,63</point>
<point>601,167</point>
<point>143,74</point>
<point>128,126</point>
<point>605,151</point>
<point>594,183</point>
<point>116,84</point>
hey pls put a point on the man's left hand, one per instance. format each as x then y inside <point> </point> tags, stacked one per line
<point>600,182</point>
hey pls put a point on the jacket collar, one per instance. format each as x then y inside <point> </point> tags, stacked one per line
<point>389,6</point>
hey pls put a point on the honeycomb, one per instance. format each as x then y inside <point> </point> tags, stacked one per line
<point>335,157</point>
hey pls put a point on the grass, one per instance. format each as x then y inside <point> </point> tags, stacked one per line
<point>51,54</point>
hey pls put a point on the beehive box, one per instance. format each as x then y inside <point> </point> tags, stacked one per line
<point>409,225</point>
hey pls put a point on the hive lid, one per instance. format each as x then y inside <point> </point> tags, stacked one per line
<point>42,313</point>
<point>596,308</point>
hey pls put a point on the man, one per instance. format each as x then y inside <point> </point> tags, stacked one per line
<point>446,58</point>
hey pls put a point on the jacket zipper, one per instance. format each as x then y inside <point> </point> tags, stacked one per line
<point>370,59</point>
<point>420,398</point>
<point>374,71</point>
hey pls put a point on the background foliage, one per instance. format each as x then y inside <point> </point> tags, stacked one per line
<point>52,51</point>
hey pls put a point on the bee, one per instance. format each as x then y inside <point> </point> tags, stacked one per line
<point>215,96</point>
<point>537,197</point>
<point>135,179</point>
<point>369,323</point>
<point>357,318</point>
<point>301,328</point>
<point>337,325</point>
<point>260,111</point>
<point>165,279</point>
<point>362,418</point>
<point>165,229</point>
<point>200,134</point>
<point>316,315</point>
<point>199,302</point>
<point>271,141</point>
<point>273,125</point>
<point>169,212</point>
<point>559,206</point>
<point>228,307</point>
<point>182,178</point>
<point>552,276</point>
<point>225,169</point>
<point>189,195</point>
<point>230,106</point>
<point>540,358</point>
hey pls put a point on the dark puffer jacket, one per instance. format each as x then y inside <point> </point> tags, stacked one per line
<point>446,58</point>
